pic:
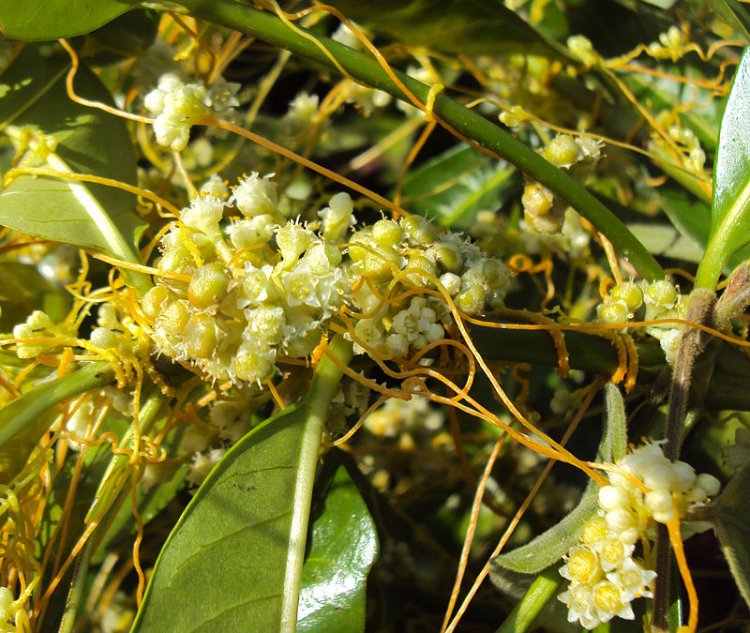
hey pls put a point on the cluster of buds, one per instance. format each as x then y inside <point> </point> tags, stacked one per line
<point>234,297</point>
<point>179,106</point>
<point>543,211</point>
<point>647,301</point>
<point>394,258</point>
<point>255,289</point>
<point>604,575</point>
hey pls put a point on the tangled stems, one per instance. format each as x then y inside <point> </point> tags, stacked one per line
<point>461,121</point>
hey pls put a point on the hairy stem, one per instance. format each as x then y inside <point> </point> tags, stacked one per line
<point>700,310</point>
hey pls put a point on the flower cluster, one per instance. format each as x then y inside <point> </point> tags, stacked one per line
<point>647,301</point>
<point>37,335</point>
<point>258,288</point>
<point>396,257</point>
<point>604,575</point>
<point>178,106</point>
<point>543,211</point>
<point>236,296</point>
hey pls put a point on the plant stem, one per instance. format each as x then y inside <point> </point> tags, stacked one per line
<point>526,611</point>
<point>700,310</point>
<point>461,120</point>
<point>315,405</point>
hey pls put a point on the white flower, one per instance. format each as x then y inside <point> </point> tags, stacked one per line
<point>255,195</point>
<point>256,230</point>
<point>178,107</point>
<point>201,465</point>
<point>633,579</point>
<point>337,217</point>
<point>203,214</point>
<point>292,241</point>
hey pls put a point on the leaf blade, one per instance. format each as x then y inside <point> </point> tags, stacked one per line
<point>53,19</point>
<point>87,215</point>
<point>344,547</point>
<point>256,501</point>
<point>730,223</point>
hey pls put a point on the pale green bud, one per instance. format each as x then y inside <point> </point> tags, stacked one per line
<point>201,336</point>
<point>209,285</point>
<point>387,233</point>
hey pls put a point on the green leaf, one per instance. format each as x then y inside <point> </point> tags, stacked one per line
<point>26,418</point>
<point>88,141</point>
<point>343,548</point>
<point>452,187</point>
<point>548,548</point>
<point>241,539</point>
<point>53,19</point>
<point>733,11</point>
<point>129,35</point>
<point>730,225</point>
<point>692,218</point>
<point>731,518</point>
<point>469,27</point>
<point>666,241</point>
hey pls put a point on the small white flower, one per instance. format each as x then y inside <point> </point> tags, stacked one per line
<point>255,195</point>
<point>337,217</point>
<point>633,579</point>
<point>203,214</point>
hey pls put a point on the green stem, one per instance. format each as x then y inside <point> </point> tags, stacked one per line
<point>538,595</point>
<point>315,405</point>
<point>466,122</point>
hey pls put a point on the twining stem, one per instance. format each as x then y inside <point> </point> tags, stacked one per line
<point>463,122</point>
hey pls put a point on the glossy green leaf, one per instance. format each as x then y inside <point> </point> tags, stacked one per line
<point>88,141</point>
<point>129,35</point>
<point>730,219</point>
<point>452,187</point>
<point>241,540</point>
<point>469,27</point>
<point>731,519</point>
<point>52,19</point>
<point>548,548</point>
<point>734,12</point>
<point>343,547</point>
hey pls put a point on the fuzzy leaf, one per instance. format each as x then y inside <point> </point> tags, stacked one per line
<point>731,519</point>
<point>343,547</point>
<point>52,19</point>
<point>549,547</point>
